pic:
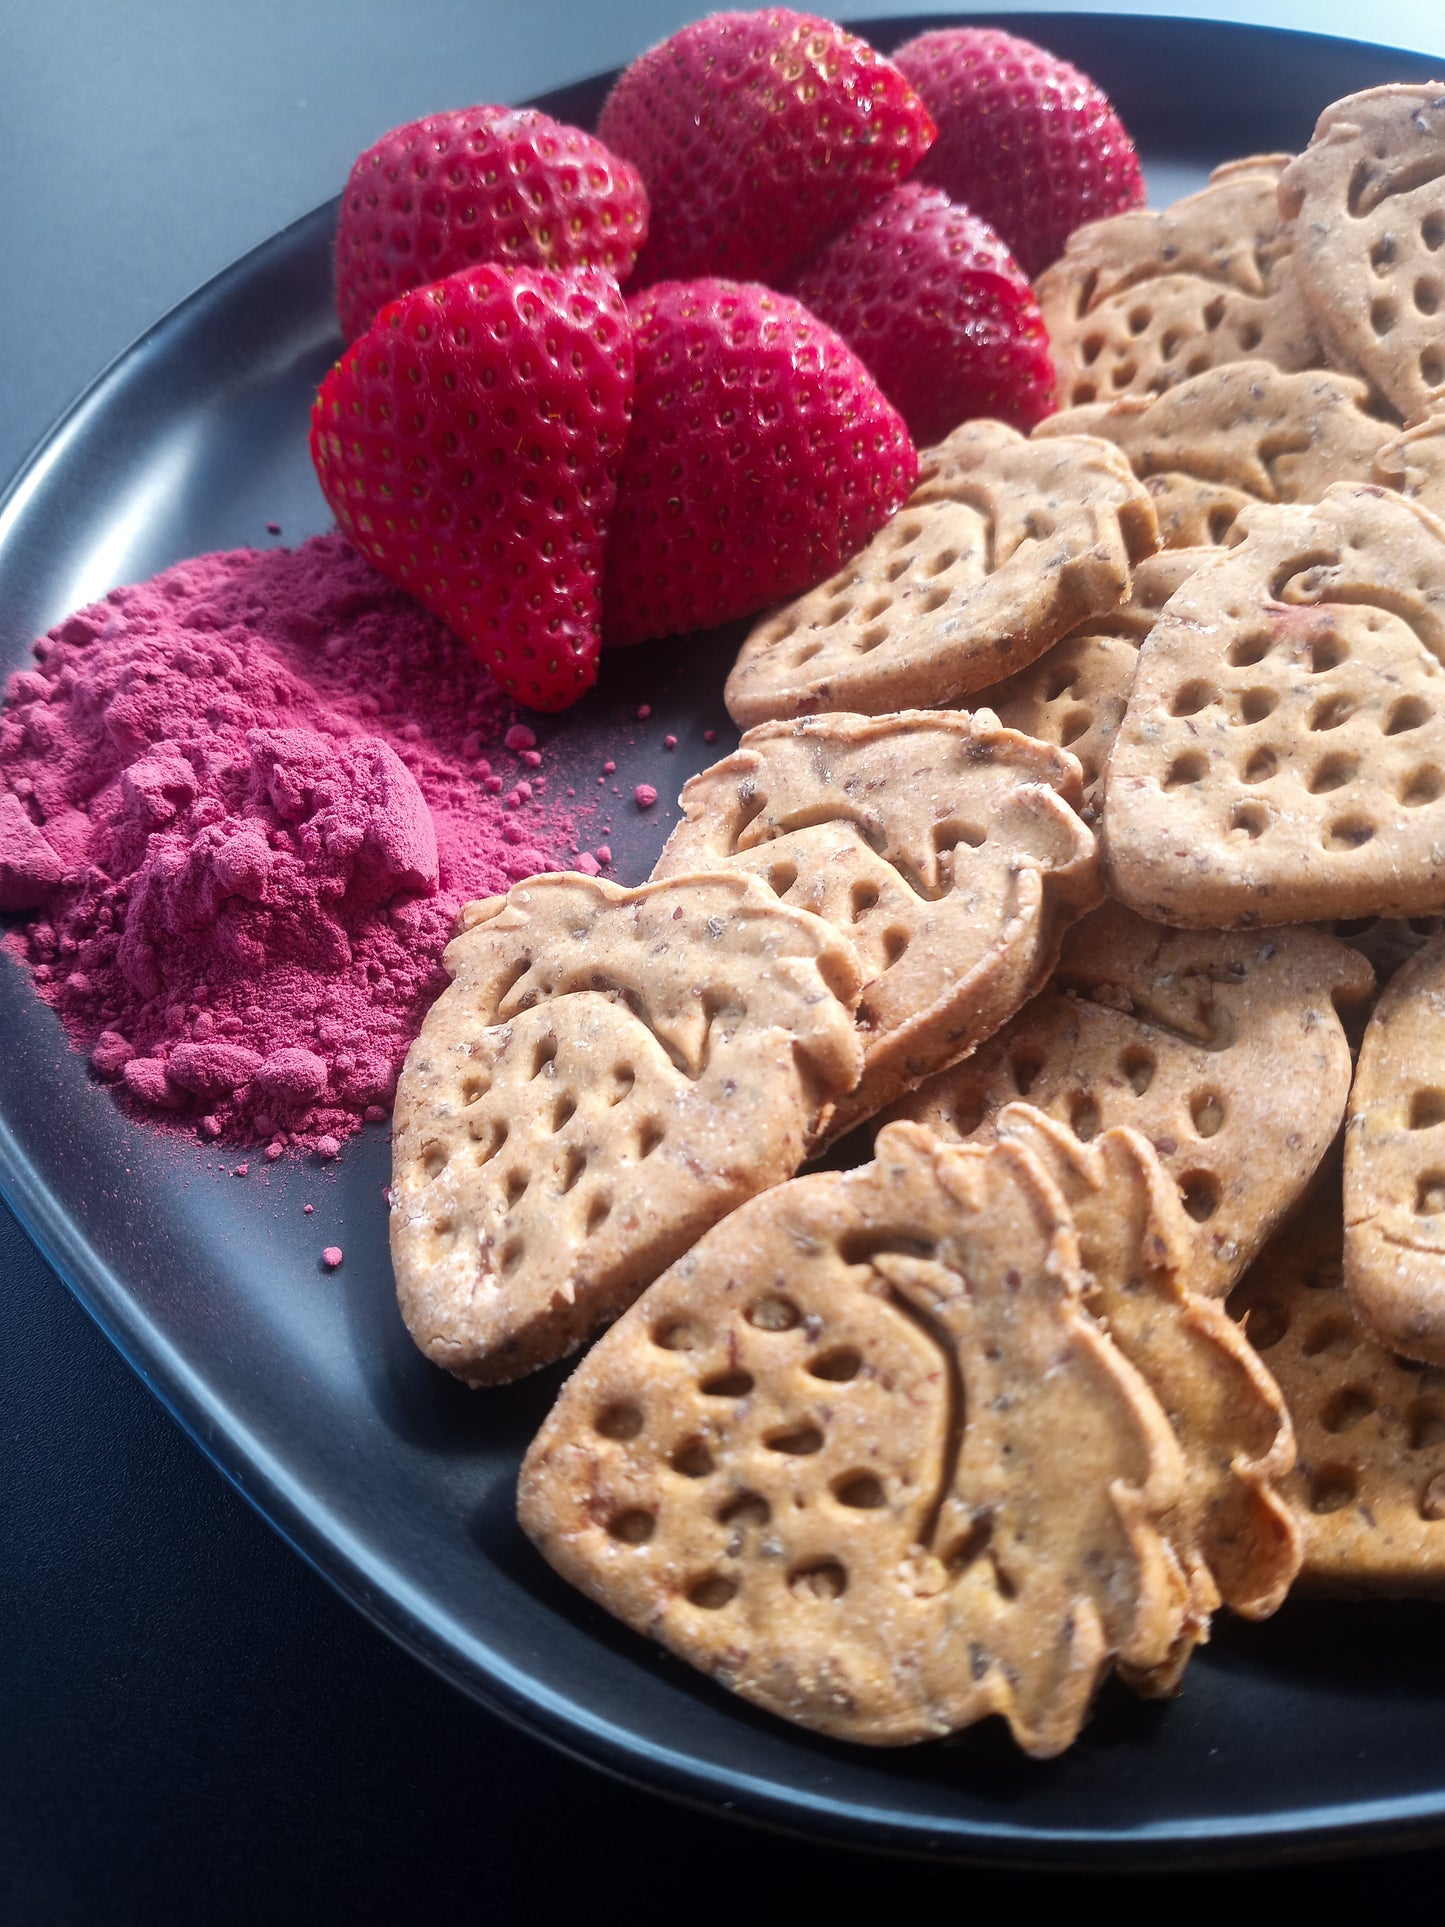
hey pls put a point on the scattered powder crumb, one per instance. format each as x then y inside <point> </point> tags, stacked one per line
<point>520,737</point>
<point>308,1209</point>
<point>273,528</point>
<point>644,712</point>
<point>331,1257</point>
<point>609,769</point>
<point>588,864</point>
<point>532,758</point>
<point>603,853</point>
<point>669,742</point>
<point>709,735</point>
<point>646,796</point>
<point>241,1171</point>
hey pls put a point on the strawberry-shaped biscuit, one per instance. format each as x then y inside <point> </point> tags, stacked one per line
<point>482,184</point>
<point>758,134</point>
<point>468,444</point>
<point>934,304</point>
<point>762,454</point>
<point>1024,139</point>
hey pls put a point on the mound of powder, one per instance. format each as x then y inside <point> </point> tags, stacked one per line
<point>240,806</point>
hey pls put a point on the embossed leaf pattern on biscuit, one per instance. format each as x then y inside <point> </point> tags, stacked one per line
<point>1369,1484</point>
<point>1225,1050</point>
<point>1005,545</point>
<point>1395,1164</point>
<point>1237,1536</point>
<point>1414,463</point>
<point>1147,299</point>
<point>1367,200</point>
<point>1282,757</point>
<point>1245,431</point>
<point>821,1458</point>
<point>946,848</point>
<point>609,1073</point>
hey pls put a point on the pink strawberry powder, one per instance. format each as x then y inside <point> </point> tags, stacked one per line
<point>242,804</point>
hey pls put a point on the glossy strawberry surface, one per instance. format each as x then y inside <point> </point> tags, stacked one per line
<point>1024,140</point>
<point>762,454</point>
<point>469,445</point>
<point>483,184</point>
<point>758,134</point>
<point>934,304</point>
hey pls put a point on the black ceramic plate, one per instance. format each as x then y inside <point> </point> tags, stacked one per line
<point>1320,1728</point>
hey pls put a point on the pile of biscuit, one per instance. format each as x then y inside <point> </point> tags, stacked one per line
<point>964,1428</point>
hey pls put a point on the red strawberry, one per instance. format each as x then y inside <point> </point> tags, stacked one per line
<point>930,299</point>
<point>1024,139</point>
<point>482,184</point>
<point>469,444</point>
<point>761,456</point>
<point>757,134</point>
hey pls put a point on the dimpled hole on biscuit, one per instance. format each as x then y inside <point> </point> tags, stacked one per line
<point>564,1108</point>
<point>1024,1067</point>
<point>692,1459</point>
<point>1424,1427</point>
<point>633,1527</point>
<point>1410,712</point>
<point>1256,704</point>
<point>620,1421</point>
<point>747,1509</point>
<point>1138,1067</point>
<point>1206,1108</point>
<point>1249,650</point>
<point>1432,367</point>
<point>727,1385</point>
<point>1191,697</point>
<point>623,1079</point>
<point>1432,230</point>
<point>1200,1193</point>
<point>1191,767</point>
<point>490,1134</point>
<point>860,1490</point>
<point>434,1158</point>
<point>1261,766</point>
<point>1084,1116</point>
<point>1332,773</point>
<point>1422,786</point>
<point>650,1136</point>
<point>1427,296</point>
<point>800,1442</point>
<point>474,1089</point>
<point>1249,819</point>
<point>676,1335</point>
<point>773,1314</point>
<point>1332,1488</point>
<point>837,1366</point>
<point>1348,833</point>
<point>1327,653</point>
<point>1330,1335</point>
<point>713,1591</point>
<point>1427,1109</point>
<point>826,1580</point>
<point>573,1165</point>
<point>1077,723</point>
<point>1430,1194</point>
<point>1347,1409</point>
<point>1266,1324</point>
<point>1382,316</point>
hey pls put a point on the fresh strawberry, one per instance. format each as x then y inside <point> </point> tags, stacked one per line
<point>1024,139</point>
<point>483,184</point>
<point>933,303</point>
<point>469,445</point>
<point>761,456</point>
<point>757,135</point>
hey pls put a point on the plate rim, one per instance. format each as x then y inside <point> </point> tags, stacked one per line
<point>376,1587</point>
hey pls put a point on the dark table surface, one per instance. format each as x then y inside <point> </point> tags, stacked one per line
<point>191,1724</point>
